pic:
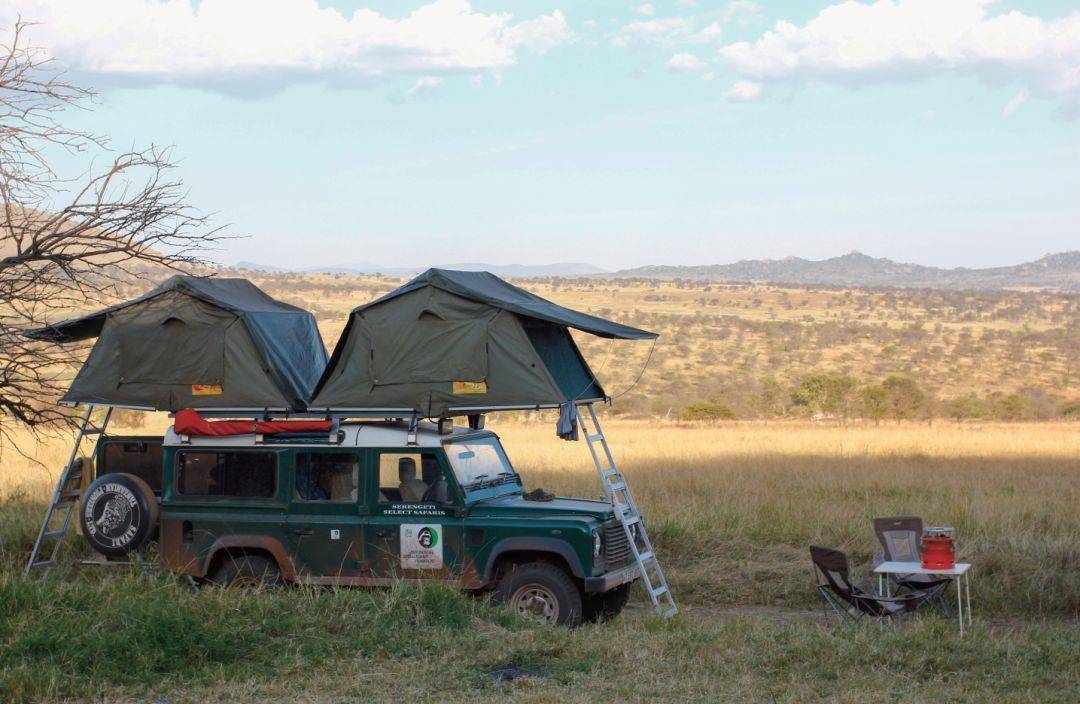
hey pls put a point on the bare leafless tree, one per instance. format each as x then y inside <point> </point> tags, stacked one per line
<point>70,244</point>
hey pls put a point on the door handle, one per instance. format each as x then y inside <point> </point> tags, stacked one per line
<point>382,533</point>
<point>304,531</point>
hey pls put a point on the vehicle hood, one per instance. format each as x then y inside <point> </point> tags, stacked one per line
<point>559,507</point>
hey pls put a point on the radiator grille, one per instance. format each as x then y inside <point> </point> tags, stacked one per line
<point>616,546</point>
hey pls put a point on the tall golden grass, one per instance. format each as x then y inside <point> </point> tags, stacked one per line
<point>733,507</point>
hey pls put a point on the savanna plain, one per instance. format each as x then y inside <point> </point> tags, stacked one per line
<point>732,506</point>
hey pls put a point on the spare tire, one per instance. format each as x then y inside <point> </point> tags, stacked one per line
<point>119,513</point>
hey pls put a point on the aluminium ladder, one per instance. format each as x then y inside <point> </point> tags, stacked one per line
<point>618,492</point>
<point>66,497</point>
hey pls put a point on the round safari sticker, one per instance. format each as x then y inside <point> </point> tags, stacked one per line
<point>421,547</point>
<point>428,537</point>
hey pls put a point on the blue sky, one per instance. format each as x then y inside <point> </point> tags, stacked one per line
<point>611,132</point>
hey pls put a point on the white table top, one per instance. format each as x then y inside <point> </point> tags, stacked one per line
<point>916,568</point>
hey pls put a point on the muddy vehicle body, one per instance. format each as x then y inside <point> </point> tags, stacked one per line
<point>375,505</point>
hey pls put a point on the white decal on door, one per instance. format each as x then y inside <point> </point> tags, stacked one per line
<point>421,546</point>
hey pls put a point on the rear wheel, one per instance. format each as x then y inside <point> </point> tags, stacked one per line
<point>541,592</point>
<point>118,514</point>
<point>606,606</point>
<point>246,572</point>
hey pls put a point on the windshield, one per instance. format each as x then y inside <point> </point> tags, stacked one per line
<point>480,463</point>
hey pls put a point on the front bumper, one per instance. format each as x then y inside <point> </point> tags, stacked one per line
<point>616,577</point>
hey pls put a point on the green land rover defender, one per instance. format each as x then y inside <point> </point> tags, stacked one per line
<point>373,505</point>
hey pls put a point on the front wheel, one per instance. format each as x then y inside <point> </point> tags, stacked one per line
<point>606,606</point>
<point>541,592</point>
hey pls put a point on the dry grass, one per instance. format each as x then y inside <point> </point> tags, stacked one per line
<point>734,506</point>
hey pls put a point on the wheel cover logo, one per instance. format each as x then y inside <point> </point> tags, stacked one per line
<point>115,514</point>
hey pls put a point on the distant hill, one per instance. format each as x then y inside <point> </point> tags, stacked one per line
<point>510,271</point>
<point>1054,271</point>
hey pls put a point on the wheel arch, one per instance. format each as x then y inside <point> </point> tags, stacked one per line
<point>233,546</point>
<point>531,548</point>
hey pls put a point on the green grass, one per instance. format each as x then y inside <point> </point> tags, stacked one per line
<point>131,637</point>
<point>731,508</point>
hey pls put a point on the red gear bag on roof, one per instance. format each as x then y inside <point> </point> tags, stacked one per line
<point>189,422</point>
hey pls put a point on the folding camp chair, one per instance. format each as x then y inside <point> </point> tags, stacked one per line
<point>850,601</point>
<point>898,541</point>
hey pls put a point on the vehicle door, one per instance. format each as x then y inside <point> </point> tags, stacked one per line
<point>221,494</point>
<point>412,535</point>
<point>327,514</point>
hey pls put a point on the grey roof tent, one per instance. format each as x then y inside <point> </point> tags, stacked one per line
<point>456,342</point>
<point>196,343</point>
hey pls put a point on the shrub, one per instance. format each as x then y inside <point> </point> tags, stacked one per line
<point>708,411</point>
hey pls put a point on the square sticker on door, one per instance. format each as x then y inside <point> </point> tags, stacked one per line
<point>335,534</point>
<point>421,546</point>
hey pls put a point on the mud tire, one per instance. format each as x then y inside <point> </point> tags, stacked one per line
<point>600,608</point>
<point>541,591</point>
<point>246,572</point>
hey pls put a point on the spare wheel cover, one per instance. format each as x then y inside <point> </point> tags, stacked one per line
<point>115,518</point>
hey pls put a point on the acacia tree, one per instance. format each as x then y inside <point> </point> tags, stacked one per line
<point>70,244</point>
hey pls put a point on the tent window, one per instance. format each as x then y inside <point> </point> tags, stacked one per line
<point>178,341</point>
<point>429,351</point>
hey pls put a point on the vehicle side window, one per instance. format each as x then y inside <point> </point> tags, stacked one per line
<point>406,476</point>
<point>241,474</point>
<point>326,476</point>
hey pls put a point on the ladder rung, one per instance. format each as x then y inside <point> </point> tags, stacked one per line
<point>659,590</point>
<point>618,486</point>
<point>646,556</point>
<point>35,565</point>
<point>73,494</point>
<point>93,431</point>
<point>53,534</point>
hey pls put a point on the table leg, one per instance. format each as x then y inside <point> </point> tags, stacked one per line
<point>967,588</point>
<point>880,585</point>
<point>960,603</point>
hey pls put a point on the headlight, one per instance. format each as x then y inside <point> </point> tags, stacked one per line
<point>597,544</point>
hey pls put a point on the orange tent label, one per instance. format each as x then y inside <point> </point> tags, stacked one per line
<point>470,387</point>
<point>206,389</point>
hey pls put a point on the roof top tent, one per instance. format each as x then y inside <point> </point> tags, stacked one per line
<point>196,343</point>
<point>458,343</point>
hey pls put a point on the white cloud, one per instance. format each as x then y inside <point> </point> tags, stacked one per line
<point>1017,100</point>
<point>856,42</point>
<point>711,33</point>
<point>653,32</point>
<point>425,87</point>
<point>256,47</point>
<point>686,3</point>
<point>645,9</point>
<point>710,76</point>
<point>685,62</point>
<point>666,32</point>
<point>744,12</point>
<point>744,91</point>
